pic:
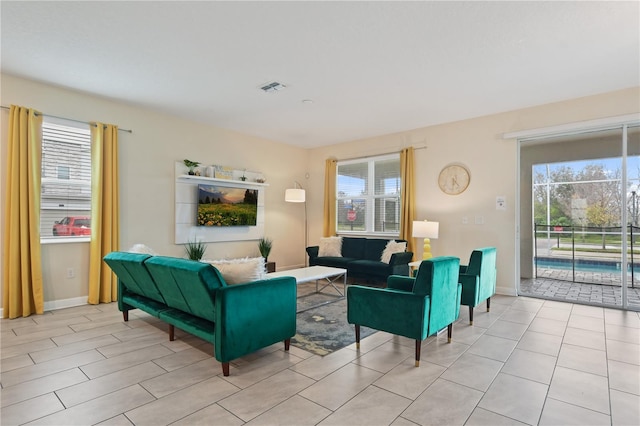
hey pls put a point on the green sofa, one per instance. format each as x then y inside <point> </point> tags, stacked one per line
<point>361,258</point>
<point>237,319</point>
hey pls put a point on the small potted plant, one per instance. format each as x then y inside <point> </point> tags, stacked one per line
<point>191,165</point>
<point>195,249</point>
<point>264,246</point>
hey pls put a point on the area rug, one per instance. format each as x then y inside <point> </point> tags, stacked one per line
<point>322,325</point>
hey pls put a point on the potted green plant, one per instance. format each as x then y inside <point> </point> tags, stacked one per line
<point>264,246</point>
<point>191,165</point>
<point>195,249</point>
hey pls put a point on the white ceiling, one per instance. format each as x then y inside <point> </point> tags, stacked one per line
<point>371,68</point>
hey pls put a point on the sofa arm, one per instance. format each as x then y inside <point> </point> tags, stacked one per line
<point>400,282</point>
<point>463,269</point>
<point>313,251</point>
<point>254,315</point>
<point>402,258</point>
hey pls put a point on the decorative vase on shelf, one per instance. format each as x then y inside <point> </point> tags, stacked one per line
<point>210,171</point>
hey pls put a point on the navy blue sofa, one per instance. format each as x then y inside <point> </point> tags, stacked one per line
<point>361,259</point>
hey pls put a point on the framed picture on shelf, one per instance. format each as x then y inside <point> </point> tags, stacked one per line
<point>223,172</point>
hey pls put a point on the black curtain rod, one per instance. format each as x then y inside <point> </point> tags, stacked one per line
<point>69,119</point>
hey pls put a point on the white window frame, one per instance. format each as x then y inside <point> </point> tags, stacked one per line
<point>370,197</point>
<point>72,206</point>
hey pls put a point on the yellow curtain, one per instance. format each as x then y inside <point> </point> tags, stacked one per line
<point>329,221</point>
<point>22,263</point>
<point>105,227</point>
<point>407,196</point>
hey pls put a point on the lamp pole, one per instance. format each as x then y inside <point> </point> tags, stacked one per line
<point>298,195</point>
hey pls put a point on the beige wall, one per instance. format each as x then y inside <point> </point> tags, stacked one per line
<point>147,159</point>
<point>148,154</point>
<point>492,162</point>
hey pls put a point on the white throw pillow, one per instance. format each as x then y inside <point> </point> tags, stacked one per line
<point>237,271</point>
<point>330,246</point>
<point>392,247</point>
<point>142,249</point>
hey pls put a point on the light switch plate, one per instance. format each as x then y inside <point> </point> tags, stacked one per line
<point>501,202</point>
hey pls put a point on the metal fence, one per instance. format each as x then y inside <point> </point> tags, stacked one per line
<point>586,254</point>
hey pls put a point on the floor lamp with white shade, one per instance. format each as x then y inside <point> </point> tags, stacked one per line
<point>297,194</point>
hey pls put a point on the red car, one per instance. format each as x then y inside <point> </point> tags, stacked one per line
<point>72,226</point>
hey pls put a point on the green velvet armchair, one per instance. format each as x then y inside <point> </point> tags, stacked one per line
<point>414,307</point>
<point>478,279</point>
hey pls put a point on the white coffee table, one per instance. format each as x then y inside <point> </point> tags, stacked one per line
<point>326,274</point>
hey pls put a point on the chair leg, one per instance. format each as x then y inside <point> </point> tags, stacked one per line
<point>488,303</point>
<point>449,332</point>
<point>172,334</point>
<point>357,336</point>
<point>418,346</point>
<point>225,369</point>
<point>471,315</point>
<point>287,343</point>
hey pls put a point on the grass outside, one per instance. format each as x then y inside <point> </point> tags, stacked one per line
<point>240,214</point>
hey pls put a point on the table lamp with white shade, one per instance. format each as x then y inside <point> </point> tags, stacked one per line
<point>427,230</point>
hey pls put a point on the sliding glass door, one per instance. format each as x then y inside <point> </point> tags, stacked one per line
<point>581,195</point>
<point>631,141</point>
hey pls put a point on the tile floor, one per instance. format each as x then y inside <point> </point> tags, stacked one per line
<point>528,361</point>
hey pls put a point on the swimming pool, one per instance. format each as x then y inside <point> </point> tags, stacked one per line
<point>584,265</point>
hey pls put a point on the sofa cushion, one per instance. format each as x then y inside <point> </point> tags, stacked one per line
<point>334,262</point>
<point>133,274</point>
<point>353,247</point>
<point>141,302</point>
<point>330,246</point>
<point>243,270</point>
<point>187,285</point>
<point>373,249</point>
<point>391,248</point>
<point>368,268</point>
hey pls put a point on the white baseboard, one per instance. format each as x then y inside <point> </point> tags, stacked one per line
<point>65,303</point>
<point>59,304</point>
<point>506,291</point>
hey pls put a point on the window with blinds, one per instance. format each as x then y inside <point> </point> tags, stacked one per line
<point>368,195</point>
<point>65,209</point>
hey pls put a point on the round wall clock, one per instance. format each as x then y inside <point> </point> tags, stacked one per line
<point>454,179</point>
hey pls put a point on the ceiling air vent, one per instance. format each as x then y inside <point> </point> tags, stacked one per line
<point>272,87</point>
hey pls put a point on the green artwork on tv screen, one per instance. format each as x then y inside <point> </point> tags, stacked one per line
<point>226,206</point>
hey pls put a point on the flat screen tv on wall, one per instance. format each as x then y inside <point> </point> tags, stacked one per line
<point>226,206</point>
